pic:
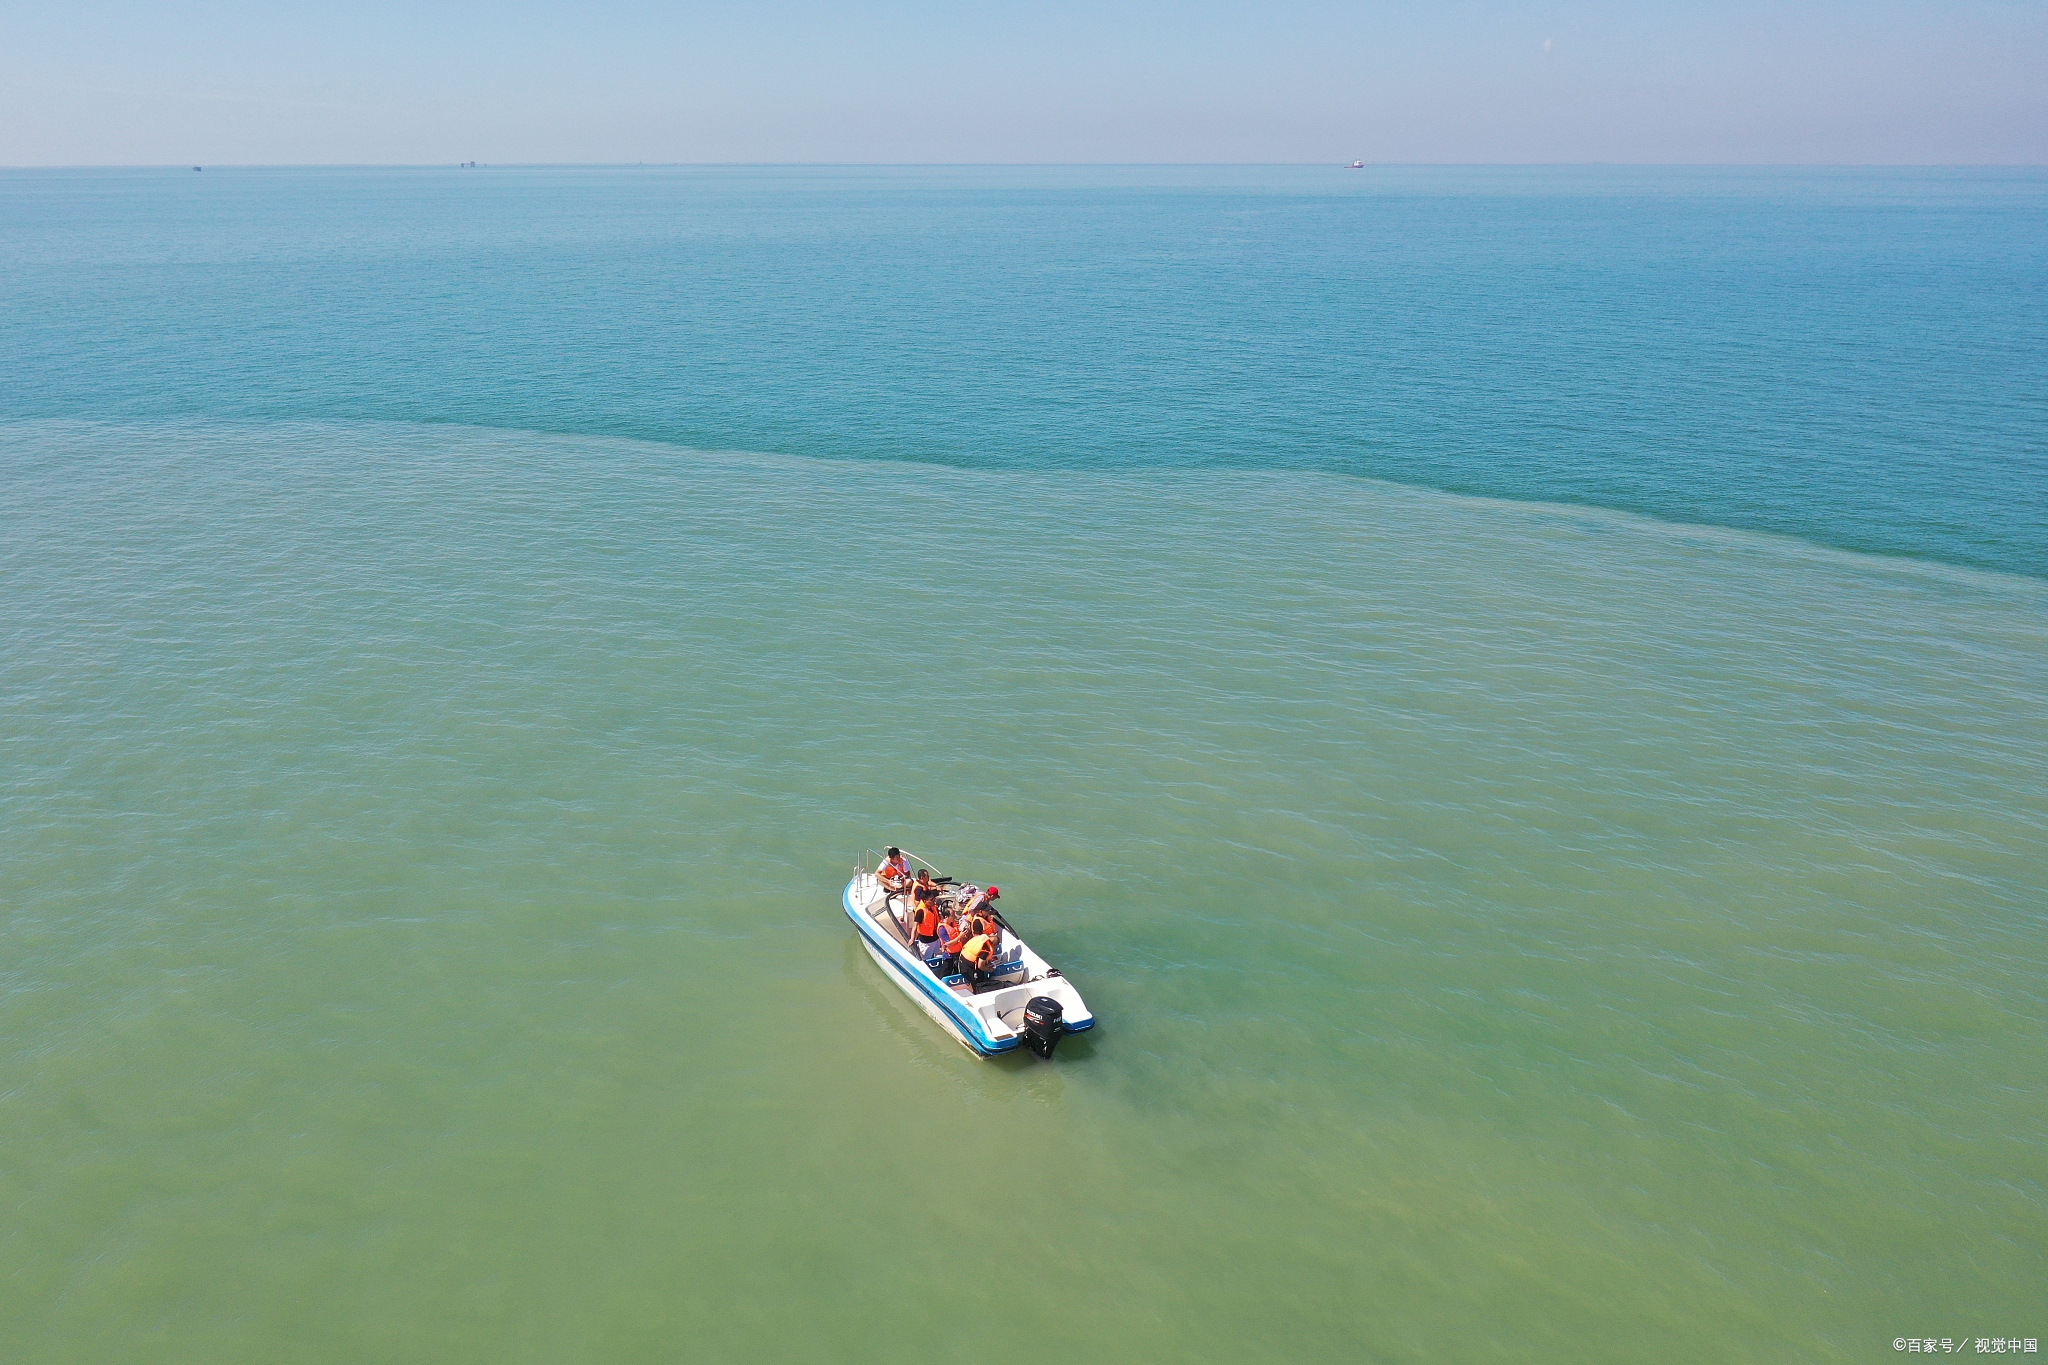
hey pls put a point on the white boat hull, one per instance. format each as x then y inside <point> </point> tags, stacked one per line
<point>987,1023</point>
<point>938,1015</point>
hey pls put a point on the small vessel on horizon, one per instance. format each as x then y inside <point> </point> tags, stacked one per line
<point>1017,1000</point>
<point>1356,166</point>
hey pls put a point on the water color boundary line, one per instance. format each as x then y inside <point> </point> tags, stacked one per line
<point>1137,483</point>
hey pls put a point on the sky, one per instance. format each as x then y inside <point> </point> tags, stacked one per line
<point>122,82</point>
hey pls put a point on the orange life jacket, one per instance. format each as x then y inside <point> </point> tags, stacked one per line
<point>979,950</point>
<point>927,920</point>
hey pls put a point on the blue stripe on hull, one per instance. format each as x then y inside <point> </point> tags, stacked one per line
<point>963,1018</point>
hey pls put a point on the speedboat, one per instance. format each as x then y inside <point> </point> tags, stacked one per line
<point>1020,1001</point>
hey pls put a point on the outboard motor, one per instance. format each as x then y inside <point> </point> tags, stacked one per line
<point>1044,1022</point>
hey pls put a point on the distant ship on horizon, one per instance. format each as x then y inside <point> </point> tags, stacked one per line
<point>1356,166</point>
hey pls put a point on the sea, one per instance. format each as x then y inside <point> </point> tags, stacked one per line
<point>1519,696</point>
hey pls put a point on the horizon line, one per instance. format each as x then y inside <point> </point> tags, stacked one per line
<point>1014,165</point>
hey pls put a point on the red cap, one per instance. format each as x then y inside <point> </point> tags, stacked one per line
<point>993,893</point>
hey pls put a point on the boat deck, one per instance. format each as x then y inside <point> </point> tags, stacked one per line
<point>891,914</point>
<point>989,1018</point>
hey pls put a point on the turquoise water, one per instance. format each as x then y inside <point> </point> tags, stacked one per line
<point>1856,357</point>
<point>1520,930</point>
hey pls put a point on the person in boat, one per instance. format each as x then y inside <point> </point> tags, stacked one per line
<point>978,953</point>
<point>974,918</point>
<point>953,936</point>
<point>981,903</point>
<point>924,907</point>
<point>894,873</point>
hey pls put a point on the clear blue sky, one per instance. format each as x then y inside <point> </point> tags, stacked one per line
<point>233,81</point>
